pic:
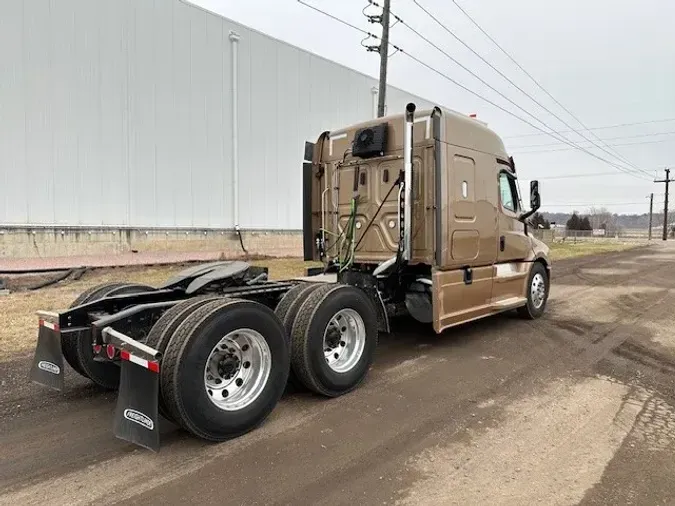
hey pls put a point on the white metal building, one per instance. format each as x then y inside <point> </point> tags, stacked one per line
<point>120,114</point>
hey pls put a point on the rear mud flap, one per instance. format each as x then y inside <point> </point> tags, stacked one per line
<point>47,368</point>
<point>136,417</point>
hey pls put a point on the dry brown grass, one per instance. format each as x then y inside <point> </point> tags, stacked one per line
<point>19,326</point>
<point>18,331</point>
<point>561,250</point>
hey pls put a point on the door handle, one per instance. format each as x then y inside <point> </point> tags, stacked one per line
<point>502,243</point>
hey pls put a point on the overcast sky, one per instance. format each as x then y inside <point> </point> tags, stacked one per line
<point>608,61</point>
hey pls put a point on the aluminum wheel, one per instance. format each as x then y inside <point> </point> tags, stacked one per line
<point>237,369</point>
<point>538,290</point>
<point>344,340</point>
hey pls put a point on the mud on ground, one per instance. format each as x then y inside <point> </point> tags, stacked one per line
<point>575,408</point>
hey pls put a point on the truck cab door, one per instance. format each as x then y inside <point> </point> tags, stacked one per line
<point>513,244</point>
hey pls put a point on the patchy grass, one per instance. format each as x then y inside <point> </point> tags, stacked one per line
<point>19,329</point>
<point>19,326</point>
<point>561,250</point>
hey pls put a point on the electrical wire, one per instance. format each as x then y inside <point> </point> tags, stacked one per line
<point>335,18</point>
<point>416,2</point>
<point>605,139</point>
<point>574,176</point>
<point>620,157</point>
<point>592,147</point>
<point>468,90</point>
<point>620,125</point>
<point>379,208</point>
<point>596,204</point>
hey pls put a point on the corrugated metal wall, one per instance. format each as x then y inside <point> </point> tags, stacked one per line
<point>119,113</point>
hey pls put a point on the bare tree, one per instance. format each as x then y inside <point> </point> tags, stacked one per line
<point>601,217</point>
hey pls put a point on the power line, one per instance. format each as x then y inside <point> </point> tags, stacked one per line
<point>620,125</point>
<point>605,139</point>
<point>618,156</point>
<point>591,147</point>
<point>532,78</point>
<point>338,19</point>
<point>667,181</point>
<point>574,176</point>
<point>594,204</point>
<point>468,90</point>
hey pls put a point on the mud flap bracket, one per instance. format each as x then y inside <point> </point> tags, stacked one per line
<point>47,368</point>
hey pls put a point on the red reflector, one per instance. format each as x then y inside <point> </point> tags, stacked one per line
<point>124,355</point>
<point>97,348</point>
<point>153,366</point>
<point>110,351</point>
<point>472,115</point>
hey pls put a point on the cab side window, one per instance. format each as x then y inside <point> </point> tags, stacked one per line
<point>508,192</point>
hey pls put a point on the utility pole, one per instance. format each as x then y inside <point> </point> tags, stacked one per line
<point>651,212</point>
<point>384,57</point>
<point>667,180</point>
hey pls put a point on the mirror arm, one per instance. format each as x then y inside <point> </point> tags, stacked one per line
<point>526,215</point>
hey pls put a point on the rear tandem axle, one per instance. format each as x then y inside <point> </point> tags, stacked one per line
<point>212,349</point>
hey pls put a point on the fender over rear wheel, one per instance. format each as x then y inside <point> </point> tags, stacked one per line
<point>334,339</point>
<point>104,374</point>
<point>69,341</point>
<point>537,292</point>
<point>78,349</point>
<point>225,368</point>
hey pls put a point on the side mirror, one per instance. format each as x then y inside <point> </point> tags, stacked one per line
<point>535,198</point>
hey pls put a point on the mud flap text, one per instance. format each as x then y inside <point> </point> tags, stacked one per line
<point>47,368</point>
<point>136,414</point>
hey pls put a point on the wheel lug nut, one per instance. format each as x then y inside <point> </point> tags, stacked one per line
<point>225,393</point>
<point>247,365</point>
<point>336,356</point>
<point>342,343</point>
<point>218,381</point>
<point>244,348</point>
<point>239,382</point>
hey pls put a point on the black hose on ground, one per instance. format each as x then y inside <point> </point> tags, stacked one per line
<point>52,281</point>
<point>79,272</point>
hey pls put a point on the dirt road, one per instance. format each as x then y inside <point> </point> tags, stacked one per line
<point>575,408</point>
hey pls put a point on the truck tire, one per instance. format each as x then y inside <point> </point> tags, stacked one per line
<point>104,374</point>
<point>163,330</point>
<point>225,368</point>
<point>537,292</point>
<point>287,300</point>
<point>69,341</point>
<point>287,310</point>
<point>333,340</point>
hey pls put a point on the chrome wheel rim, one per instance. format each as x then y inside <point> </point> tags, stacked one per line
<point>538,290</point>
<point>344,340</point>
<point>237,369</point>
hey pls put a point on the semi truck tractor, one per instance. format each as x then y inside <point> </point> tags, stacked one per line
<point>416,213</point>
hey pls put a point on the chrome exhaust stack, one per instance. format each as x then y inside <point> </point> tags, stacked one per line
<point>405,207</point>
